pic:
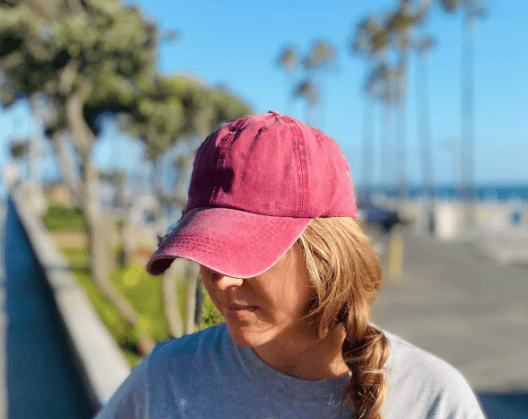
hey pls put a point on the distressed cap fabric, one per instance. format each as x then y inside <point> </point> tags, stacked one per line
<point>257,183</point>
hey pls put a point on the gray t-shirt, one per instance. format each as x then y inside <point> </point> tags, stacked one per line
<point>208,376</point>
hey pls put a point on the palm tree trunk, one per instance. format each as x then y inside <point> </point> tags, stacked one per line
<point>468,121</point>
<point>288,109</point>
<point>386,144</point>
<point>368,149</point>
<point>402,127</point>
<point>424,133</point>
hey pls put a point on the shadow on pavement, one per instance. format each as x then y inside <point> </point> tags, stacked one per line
<point>504,405</point>
<point>42,381</point>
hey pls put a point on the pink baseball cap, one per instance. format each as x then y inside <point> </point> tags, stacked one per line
<point>257,183</point>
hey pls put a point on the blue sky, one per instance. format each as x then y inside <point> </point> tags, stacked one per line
<point>236,43</point>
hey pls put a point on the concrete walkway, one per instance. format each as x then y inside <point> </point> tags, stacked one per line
<point>3,319</point>
<point>42,378</point>
<point>452,301</point>
<point>470,310</point>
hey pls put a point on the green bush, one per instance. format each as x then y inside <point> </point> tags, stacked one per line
<point>145,294</point>
<point>210,315</point>
<point>61,218</point>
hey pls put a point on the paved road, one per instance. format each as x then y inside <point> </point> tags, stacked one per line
<point>468,310</point>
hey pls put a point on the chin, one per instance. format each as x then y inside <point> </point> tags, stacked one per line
<point>244,337</point>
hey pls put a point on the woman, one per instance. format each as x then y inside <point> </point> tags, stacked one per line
<point>271,221</point>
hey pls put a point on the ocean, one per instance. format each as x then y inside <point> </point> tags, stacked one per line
<point>496,193</point>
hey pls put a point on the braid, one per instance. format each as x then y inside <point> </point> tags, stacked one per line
<point>346,275</point>
<point>367,388</point>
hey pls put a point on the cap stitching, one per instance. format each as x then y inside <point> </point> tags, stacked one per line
<point>267,233</point>
<point>296,135</point>
<point>270,229</point>
<point>207,245</point>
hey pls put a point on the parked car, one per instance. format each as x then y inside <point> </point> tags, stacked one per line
<point>384,218</point>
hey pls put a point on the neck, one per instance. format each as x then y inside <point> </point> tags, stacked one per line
<point>317,359</point>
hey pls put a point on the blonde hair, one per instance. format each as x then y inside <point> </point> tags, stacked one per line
<point>346,275</point>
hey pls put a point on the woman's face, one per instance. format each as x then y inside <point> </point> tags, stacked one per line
<point>266,310</point>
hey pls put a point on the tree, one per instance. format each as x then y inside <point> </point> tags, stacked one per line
<point>423,45</point>
<point>93,59</point>
<point>399,25</point>
<point>370,41</point>
<point>179,109</point>
<point>473,9</point>
<point>288,60</point>
<point>308,91</point>
<point>318,63</point>
<point>81,56</point>
<point>383,84</point>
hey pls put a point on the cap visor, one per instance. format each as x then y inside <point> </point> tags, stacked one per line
<point>232,242</point>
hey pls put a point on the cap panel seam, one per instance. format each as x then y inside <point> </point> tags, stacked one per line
<point>220,163</point>
<point>296,150</point>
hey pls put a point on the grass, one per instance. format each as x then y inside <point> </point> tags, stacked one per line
<point>61,218</point>
<point>145,294</point>
<point>143,291</point>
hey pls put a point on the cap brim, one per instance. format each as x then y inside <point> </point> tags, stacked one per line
<point>232,242</point>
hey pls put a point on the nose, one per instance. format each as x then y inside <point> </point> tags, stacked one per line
<point>223,282</point>
<point>219,281</point>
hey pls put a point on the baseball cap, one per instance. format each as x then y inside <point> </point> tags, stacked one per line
<point>257,182</point>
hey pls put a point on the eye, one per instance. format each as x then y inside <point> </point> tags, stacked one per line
<point>209,274</point>
<point>215,276</point>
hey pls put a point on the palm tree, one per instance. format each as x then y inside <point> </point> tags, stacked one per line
<point>320,61</point>
<point>473,9</point>
<point>308,91</point>
<point>288,60</point>
<point>389,95</point>
<point>400,25</point>
<point>382,85</point>
<point>369,40</point>
<point>423,45</point>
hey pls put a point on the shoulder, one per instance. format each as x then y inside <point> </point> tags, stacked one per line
<point>407,361</point>
<point>188,350</point>
<point>166,369</point>
<point>211,336</point>
<point>421,382</point>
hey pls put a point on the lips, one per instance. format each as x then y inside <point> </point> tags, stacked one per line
<point>241,306</point>
<point>239,311</point>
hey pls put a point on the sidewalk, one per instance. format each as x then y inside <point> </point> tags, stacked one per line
<point>463,307</point>
<point>3,319</point>
<point>76,365</point>
<point>42,376</point>
<point>507,246</point>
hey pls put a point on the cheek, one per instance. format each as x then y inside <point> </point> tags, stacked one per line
<point>301,300</point>
<point>291,302</point>
<point>210,292</point>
